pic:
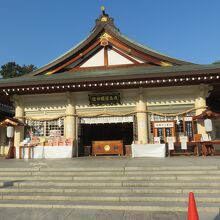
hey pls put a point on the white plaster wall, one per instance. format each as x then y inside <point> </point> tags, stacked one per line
<point>111,52</point>
<point>116,59</point>
<point>96,60</point>
<point>44,104</point>
<point>170,99</point>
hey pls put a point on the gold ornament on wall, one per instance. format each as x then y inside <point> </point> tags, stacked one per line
<point>107,148</point>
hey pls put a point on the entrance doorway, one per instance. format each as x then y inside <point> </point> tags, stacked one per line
<point>106,131</point>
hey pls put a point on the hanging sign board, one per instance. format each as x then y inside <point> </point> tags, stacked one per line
<point>188,123</point>
<point>104,99</point>
<point>163,125</point>
<point>183,141</point>
<point>170,143</point>
<point>208,125</point>
<point>187,118</point>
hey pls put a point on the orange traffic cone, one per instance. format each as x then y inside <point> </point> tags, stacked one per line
<point>192,210</point>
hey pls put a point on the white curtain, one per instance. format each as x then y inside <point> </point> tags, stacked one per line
<point>103,120</point>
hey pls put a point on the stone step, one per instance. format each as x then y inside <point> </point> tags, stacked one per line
<point>109,173</point>
<point>181,184</point>
<point>108,168</point>
<point>132,206</point>
<point>171,172</point>
<point>112,190</point>
<point>113,197</point>
<point>176,167</point>
<point>164,177</point>
<point>133,168</point>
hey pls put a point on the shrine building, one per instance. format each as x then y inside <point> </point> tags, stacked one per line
<point>109,87</point>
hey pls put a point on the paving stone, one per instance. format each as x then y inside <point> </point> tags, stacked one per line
<point>56,214</point>
<point>81,214</point>
<point>182,215</point>
<point>109,215</point>
<point>133,215</point>
<point>164,216</point>
<point>21,214</point>
<point>209,216</point>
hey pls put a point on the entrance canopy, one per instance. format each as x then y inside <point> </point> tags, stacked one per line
<point>207,114</point>
<point>11,122</point>
<point>104,120</point>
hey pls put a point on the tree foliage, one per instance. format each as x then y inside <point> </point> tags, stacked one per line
<point>12,69</point>
<point>216,62</point>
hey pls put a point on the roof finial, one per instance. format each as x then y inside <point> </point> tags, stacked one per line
<point>103,10</point>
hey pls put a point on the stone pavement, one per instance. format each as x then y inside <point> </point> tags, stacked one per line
<point>104,162</point>
<point>77,214</point>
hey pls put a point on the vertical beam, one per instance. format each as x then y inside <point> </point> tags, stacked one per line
<point>70,120</point>
<point>141,118</point>
<point>19,114</point>
<point>106,56</point>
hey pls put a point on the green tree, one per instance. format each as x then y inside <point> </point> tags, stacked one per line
<point>12,69</point>
<point>27,69</point>
<point>216,62</point>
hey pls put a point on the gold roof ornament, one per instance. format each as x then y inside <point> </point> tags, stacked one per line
<point>104,19</point>
<point>104,38</point>
<point>104,15</point>
<point>103,9</point>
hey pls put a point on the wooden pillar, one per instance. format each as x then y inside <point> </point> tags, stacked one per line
<point>19,114</point>
<point>200,105</point>
<point>70,120</point>
<point>141,118</point>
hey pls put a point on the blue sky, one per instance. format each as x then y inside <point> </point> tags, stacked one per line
<point>38,31</point>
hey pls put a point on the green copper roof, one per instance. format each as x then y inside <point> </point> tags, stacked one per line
<point>144,46</point>
<point>113,74</point>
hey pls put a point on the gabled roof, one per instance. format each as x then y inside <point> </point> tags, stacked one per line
<point>140,67</point>
<point>106,47</point>
<point>11,122</point>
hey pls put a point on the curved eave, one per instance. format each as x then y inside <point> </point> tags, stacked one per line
<point>113,74</point>
<point>64,86</point>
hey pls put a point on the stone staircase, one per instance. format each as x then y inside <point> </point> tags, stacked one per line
<point>111,188</point>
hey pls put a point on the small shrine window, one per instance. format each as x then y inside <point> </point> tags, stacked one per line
<point>55,125</point>
<point>44,128</point>
<point>36,128</point>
